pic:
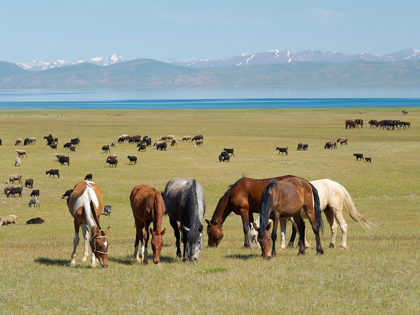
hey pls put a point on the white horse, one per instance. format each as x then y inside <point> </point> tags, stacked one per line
<point>333,198</point>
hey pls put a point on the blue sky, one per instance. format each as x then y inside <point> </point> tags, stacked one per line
<point>163,30</point>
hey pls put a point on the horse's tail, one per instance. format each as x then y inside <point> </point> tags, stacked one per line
<point>354,214</point>
<point>266,201</point>
<point>317,208</point>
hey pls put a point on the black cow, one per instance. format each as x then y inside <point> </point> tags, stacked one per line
<point>105,149</point>
<point>161,146</point>
<point>330,145</point>
<point>35,192</point>
<point>305,147</point>
<point>64,159</point>
<point>198,137</point>
<point>368,159</point>
<point>26,141</point>
<point>36,220</point>
<point>226,158</point>
<point>107,210</point>
<point>147,142</point>
<point>88,177</point>
<point>29,183</point>
<point>67,145</point>
<point>133,159</point>
<point>67,194</point>
<point>359,156</point>
<point>283,150</point>
<point>229,151</point>
<point>112,162</point>
<point>141,147</point>
<point>121,139</point>
<point>14,191</point>
<point>53,146</point>
<point>53,173</point>
<point>75,141</point>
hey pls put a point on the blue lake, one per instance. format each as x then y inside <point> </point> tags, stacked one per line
<point>208,98</point>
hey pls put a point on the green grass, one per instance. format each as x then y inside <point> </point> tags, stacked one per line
<point>378,274</point>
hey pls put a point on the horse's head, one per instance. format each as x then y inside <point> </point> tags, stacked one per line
<point>157,244</point>
<point>99,245</point>
<point>264,238</point>
<point>194,242</point>
<point>215,233</point>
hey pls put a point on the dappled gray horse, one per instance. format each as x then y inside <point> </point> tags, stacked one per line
<point>185,203</point>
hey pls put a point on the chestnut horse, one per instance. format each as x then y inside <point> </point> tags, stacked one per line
<point>285,199</point>
<point>148,206</point>
<point>86,205</point>
<point>243,199</point>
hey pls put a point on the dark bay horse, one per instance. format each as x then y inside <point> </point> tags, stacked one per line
<point>148,207</point>
<point>86,205</point>
<point>242,198</point>
<point>285,199</point>
<point>185,203</point>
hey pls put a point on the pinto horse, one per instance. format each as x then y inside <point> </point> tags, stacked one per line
<point>86,205</point>
<point>242,198</point>
<point>285,199</point>
<point>185,203</point>
<point>148,207</point>
<point>333,198</point>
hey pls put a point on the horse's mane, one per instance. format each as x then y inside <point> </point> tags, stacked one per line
<point>265,205</point>
<point>191,203</point>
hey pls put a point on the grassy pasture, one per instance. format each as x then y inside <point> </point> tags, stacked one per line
<point>378,274</point>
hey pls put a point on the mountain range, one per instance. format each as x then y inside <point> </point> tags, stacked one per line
<point>139,73</point>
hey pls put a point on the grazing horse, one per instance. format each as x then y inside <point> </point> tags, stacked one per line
<point>333,198</point>
<point>86,205</point>
<point>285,199</point>
<point>185,203</point>
<point>242,198</point>
<point>148,207</point>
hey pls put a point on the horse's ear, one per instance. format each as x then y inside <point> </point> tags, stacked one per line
<point>208,222</point>
<point>256,227</point>
<point>107,230</point>
<point>268,226</point>
<point>200,229</point>
<point>163,232</point>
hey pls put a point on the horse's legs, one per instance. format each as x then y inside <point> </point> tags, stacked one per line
<point>293,235</point>
<point>146,240</point>
<point>283,234</point>
<point>85,232</point>
<point>301,227</point>
<point>177,236</point>
<point>343,226</point>
<point>75,243</point>
<point>274,233</point>
<point>333,225</point>
<point>245,226</point>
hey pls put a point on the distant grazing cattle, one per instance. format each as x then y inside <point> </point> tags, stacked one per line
<point>112,161</point>
<point>107,210</point>
<point>34,193</point>
<point>15,177</point>
<point>67,194</point>
<point>283,150</point>
<point>302,147</point>
<point>29,183</point>
<point>21,153</point>
<point>14,191</point>
<point>67,145</point>
<point>199,143</point>
<point>173,142</point>
<point>160,145</point>
<point>141,147</point>
<point>105,149</point>
<point>8,188</point>
<point>359,122</point>
<point>58,156</point>
<point>26,141</point>
<point>185,138</point>
<point>18,141</point>
<point>350,124</point>
<point>88,177</point>
<point>72,148</point>
<point>198,137</point>
<point>17,161</point>
<point>226,158</point>
<point>1,142</point>
<point>342,140</point>
<point>229,151</point>
<point>53,146</point>
<point>359,156</point>
<point>34,201</point>
<point>121,139</point>
<point>368,159</point>
<point>75,141</point>
<point>147,142</point>
<point>64,159</point>
<point>373,123</point>
<point>305,147</point>
<point>113,144</point>
<point>330,145</point>
<point>132,159</point>
<point>53,173</point>
<point>36,220</point>
<point>9,219</point>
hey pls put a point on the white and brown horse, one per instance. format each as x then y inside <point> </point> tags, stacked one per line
<point>148,207</point>
<point>85,205</point>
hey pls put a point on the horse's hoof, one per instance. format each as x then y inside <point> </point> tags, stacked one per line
<point>320,252</point>
<point>332,245</point>
<point>247,246</point>
<point>301,253</point>
<point>344,247</point>
<point>290,245</point>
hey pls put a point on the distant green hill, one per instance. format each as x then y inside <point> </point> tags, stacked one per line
<point>151,73</point>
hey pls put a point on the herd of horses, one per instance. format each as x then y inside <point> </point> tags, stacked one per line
<point>276,199</point>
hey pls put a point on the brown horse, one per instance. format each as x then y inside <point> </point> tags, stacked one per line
<point>285,199</point>
<point>148,206</point>
<point>243,199</point>
<point>86,205</point>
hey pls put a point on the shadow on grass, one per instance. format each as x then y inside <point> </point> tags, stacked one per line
<point>243,256</point>
<point>129,260</point>
<point>53,262</point>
